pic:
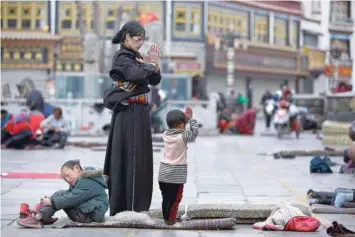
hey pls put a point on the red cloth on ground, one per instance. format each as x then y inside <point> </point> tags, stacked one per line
<point>245,123</point>
<point>35,122</point>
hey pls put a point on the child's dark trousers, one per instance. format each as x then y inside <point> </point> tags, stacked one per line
<point>74,214</point>
<point>172,195</point>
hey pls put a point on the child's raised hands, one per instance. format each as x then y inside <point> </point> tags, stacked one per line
<point>188,112</point>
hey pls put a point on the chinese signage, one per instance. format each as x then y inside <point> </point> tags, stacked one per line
<point>316,58</point>
<point>343,71</point>
<point>188,67</point>
<point>258,60</point>
<point>72,47</point>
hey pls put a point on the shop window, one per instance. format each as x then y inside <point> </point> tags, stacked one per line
<point>67,15</point>
<point>180,20</point>
<point>195,22</point>
<point>26,11</point>
<point>296,34</point>
<point>261,29</point>
<point>187,22</point>
<point>111,18</point>
<point>40,16</point>
<point>221,21</point>
<point>316,6</point>
<point>343,46</point>
<point>12,16</point>
<point>340,11</point>
<point>66,24</point>
<point>310,40</point>
<point>280,32</point>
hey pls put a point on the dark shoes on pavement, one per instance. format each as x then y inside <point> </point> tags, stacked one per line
<point>27,218</point>
<point>338,230</point>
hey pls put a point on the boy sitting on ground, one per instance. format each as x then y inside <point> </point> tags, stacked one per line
<point>85,201</point>
<point>173,166</point>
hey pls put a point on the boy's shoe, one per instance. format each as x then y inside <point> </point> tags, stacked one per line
<point>36,208</point>
<point>30,222</point>
<point>51,221</point>
<point>170,222</point>
<point>24,210</point>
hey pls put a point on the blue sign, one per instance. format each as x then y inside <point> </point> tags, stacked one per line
<point>341,36</point>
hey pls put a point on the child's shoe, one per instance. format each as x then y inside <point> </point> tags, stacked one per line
<point>170,222</point>
<point>24,210</point>
<point>36,208</point>
<point>30,222</point>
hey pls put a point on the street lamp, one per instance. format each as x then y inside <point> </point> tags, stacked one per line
<point>231,42</point>
<point>56,54</point>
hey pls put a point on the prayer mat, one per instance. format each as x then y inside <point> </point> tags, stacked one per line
<point>326,209</point>
<point>202,211</point>
<point>309,153</point>
<point>131,219</point>
<point>103,148</point>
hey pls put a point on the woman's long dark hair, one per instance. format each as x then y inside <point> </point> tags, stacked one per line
<point>133,28</point>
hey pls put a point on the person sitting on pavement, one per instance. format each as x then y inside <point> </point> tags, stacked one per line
<point>56,129</point>
<point>5,117</point>
<point>17,133</point>
<point>349,166</point>
<point>245,123</point>
<point>35,119</point>
<point>85,201</point>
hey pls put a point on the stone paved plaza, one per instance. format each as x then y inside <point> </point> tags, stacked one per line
<point>222,169</point>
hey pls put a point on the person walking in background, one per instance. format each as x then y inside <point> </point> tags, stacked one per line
<point>269,106</point>
<point>129,153</point>
<point>231,102</point>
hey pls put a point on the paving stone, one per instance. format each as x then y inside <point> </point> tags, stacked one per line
<point>221,198</point>
<point>270,199</point>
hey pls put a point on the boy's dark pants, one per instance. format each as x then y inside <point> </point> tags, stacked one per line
<point>172,195</point>
<point>74,214</point>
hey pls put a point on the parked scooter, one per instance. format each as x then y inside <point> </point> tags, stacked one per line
<point>286,120</point>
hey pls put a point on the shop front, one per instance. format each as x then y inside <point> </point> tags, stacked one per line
<point>257,69</point>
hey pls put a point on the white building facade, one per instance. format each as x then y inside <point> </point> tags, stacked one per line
<point>327,25</point>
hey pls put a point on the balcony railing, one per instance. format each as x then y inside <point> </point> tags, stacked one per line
<point>341,21</point>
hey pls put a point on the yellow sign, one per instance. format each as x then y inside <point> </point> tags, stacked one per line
<point>316,58</point>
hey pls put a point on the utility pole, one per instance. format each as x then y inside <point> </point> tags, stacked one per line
<point>96,19</point>
<point>134,11</point>
<point>80,17</point>
<point>117,25</point>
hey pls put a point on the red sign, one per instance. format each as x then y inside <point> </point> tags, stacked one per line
<point>343,71</point>
<point>187,66</point>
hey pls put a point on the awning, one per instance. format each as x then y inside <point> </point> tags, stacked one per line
<point>312,32</point>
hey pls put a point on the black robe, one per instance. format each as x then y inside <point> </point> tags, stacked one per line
<point>129,153</point>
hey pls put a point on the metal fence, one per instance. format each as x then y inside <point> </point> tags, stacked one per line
<point>86,115</point>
